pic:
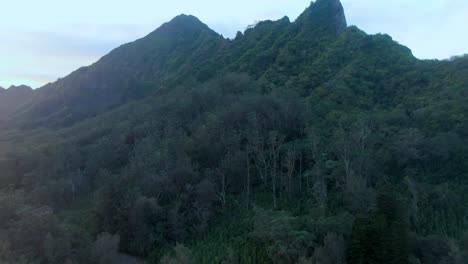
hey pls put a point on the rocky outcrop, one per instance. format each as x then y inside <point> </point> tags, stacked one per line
<point>324,16</point>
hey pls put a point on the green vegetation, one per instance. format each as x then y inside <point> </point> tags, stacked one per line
<point>303,142</point>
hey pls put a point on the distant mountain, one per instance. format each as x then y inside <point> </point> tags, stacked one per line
<point>315,50</point>
<point>13,99</point>
<point>183,50</point>
<point>128,72</point>
<point>20,89</point>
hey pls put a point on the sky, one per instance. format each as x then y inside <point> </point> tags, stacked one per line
<point>41,41</point>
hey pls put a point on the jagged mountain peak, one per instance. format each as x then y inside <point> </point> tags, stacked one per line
<point>184,22</point>
<point>182,27</point>
<point>326,16</point>
<point>23,88</point>
<point>185,50</point>
<point>13,98</point>
<point>186,18</point>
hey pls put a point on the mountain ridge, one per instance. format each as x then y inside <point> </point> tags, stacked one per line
<point>186,50</point>
<point>91,86</point>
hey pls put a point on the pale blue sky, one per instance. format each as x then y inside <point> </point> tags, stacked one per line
<point>44,40</point>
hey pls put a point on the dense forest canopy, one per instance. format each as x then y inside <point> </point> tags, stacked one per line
<point>296,142</point>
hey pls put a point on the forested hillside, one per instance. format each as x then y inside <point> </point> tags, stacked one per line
<point>296,142</point>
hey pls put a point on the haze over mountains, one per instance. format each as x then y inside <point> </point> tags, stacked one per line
<point>296,142</point>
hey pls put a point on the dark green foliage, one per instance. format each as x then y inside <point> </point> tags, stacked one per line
<point>381,236</point>
<point>332,146</point>
<point>281,235</point>
<point>333,251</point>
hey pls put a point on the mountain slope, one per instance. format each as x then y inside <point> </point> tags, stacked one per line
<point>307,53</point>
<point>182,47</point>
<point>131,71</point>
<point>295,142</point>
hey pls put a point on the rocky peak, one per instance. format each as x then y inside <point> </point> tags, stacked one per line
<point>20,88</point>
<point>326,16</point>
<point>183,23</point>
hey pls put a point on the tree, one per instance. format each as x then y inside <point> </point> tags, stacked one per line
<point>105,248</point>
<point>289,163</point>
<point>344,148</point>
<point>315,147</point>
<point>351,145</point>
<point>146,226</point>
<point>205,196</point>
<point>281,234</point>
<point>333,250</point>
<point>381,237</point>
<point>259,146</point>
<point>56,250</point>
<point>180,255</point>
<point>276,141</point>
<point>248,182</point>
